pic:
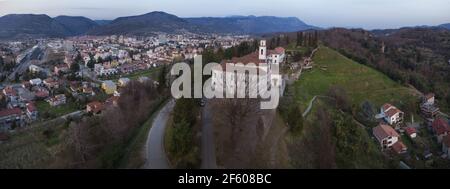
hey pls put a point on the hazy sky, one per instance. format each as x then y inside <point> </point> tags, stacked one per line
<point>369,14</point>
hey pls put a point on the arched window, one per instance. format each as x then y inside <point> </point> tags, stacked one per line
<point>262,51</point>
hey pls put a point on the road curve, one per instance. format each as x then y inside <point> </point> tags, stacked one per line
<point>155,152</point>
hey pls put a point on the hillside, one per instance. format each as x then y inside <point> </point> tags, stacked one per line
<point>35,26</point>
<point>339,140</point>
<point>416,56</point>
<point>76,25</point>
<point>30,25</point>
<point>145,24</point>
<point>446,26</point>
<point>250,24</point>
<point>332,68</point>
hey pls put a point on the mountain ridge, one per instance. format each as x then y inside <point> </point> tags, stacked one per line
<point>40,25</point>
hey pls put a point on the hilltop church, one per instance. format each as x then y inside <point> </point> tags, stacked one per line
<point>265,61</point>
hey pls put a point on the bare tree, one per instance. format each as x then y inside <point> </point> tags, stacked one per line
<point>325,148</point>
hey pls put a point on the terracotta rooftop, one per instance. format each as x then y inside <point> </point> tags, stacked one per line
<point>440,126</point>
<point>399,147</point>
<point>383,131</point>
<point>31,107</point>
<point>410,130</point>
<point>250,58</point>
<point>95,106</point>
<point>429,95</point>
<point>9,112</point>
<point>390,110</point>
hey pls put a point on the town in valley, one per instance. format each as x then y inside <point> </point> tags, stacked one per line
<point>81,93</point>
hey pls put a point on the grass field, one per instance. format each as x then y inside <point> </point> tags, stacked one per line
<point>57,111</point>
<point>151,73</point>
<point>32,149</point>
<point>361,82</point>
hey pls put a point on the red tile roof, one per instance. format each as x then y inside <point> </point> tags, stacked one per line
<point>41,94</point>
<point>250,58</point>
<point>10,112</point>
<point>440,126</point>
<point>429,96</point>
<point>383,131</point>
<point>280,50</point>
<point>387,106</point>
<point>95,106</point>
<point>9,91</point>
<point>399,147</point>
<point>390,110</point>
<point>31,107</point>
<point>410,130</point>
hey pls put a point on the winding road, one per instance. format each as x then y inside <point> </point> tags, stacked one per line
<point>155,152</point>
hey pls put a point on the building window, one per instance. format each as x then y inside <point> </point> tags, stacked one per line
<point>262,51</point>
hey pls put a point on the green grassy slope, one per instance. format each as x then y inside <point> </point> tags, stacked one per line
<point>361,82</point>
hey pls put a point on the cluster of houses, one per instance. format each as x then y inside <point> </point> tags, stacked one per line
<point>387,132</point>
<point>20,100</point>
<point>121,54</point>
<point>386,135</point>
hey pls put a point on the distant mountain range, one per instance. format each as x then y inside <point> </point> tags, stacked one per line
<point>76,25</point>
<point>146,24</point>
<point>446,26</point>
<point>33,25</point>
<point>163,22</point>
<point>250,24</point>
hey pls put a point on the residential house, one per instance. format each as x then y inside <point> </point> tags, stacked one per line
<point>428,108</point>
<point>94,107</point>
<point>34,69</point>
<point>388,138</point>
<point>57,100</point>
<point>51,83</point>
<point>10,116</point>
<point>109,87</point>
<point>32,111</point>
<point>36,82</point>
<point>112,101</point>
<point>411,132</point>
<point>104,69</point>
<point>399,147</point>
<point>41,92</point>
<point>123,82</point>
<point>87,90</point>
<point>392,114</point>
<point>61,68</point>
<point>440,128</point>
<point>26,84</point>
<point>11,94</point>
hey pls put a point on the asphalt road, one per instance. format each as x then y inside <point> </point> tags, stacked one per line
<point>208,148</point>
<point>156,154</point>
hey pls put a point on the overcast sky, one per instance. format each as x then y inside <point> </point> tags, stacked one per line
<point>368,14</point>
